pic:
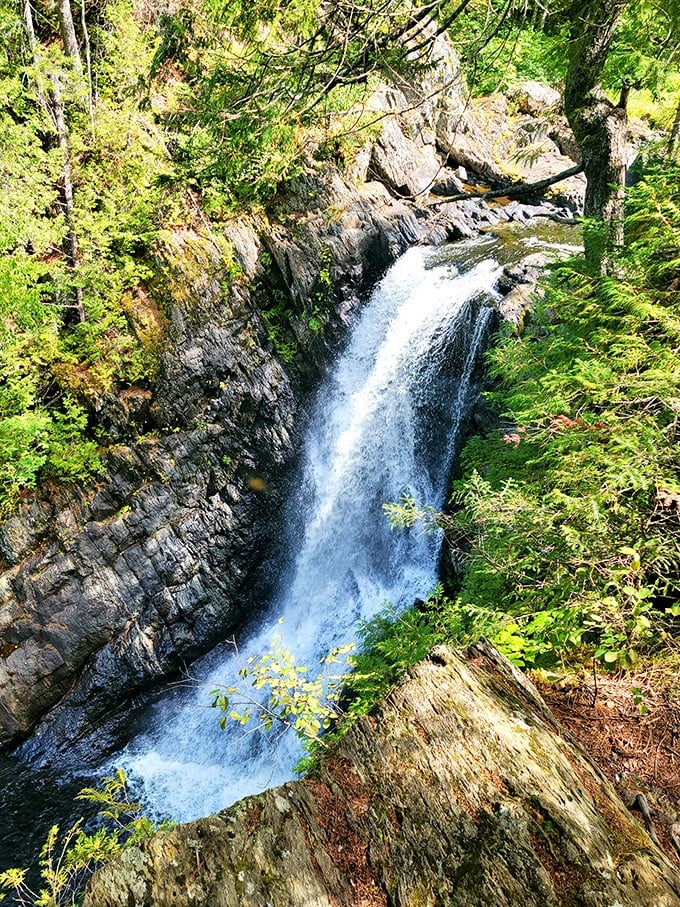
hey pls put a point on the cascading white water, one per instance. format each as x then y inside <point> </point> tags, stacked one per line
<point>386,423</point>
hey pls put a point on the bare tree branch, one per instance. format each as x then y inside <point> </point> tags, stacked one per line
<point>512,191</point>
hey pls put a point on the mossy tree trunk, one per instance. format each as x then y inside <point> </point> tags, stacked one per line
<point>598,124</point>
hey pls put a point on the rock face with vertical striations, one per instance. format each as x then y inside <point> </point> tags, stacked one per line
<point>461,790</point>
<point>103,590</point>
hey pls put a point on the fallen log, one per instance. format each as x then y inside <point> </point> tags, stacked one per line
<point>461,790</point>
<point>511,191</point>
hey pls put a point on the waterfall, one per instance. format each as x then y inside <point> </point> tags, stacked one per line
<point>386,422</point>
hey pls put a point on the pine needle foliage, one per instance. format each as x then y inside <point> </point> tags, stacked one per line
<point>255,88</point>
<point>58,371</point>
<point>569,523</point>
<point>565,524</point>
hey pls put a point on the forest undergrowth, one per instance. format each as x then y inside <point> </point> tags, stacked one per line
<point>565,523</point>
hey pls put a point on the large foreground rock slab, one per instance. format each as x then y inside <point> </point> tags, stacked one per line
<point>460,790</point>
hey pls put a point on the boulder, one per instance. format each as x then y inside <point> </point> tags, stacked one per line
<point>559,131</point>
<point>449,182</point>
<point>461,790</point>
<point>407,165</point>
<point>535,98</point>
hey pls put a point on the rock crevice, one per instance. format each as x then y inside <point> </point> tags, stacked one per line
<point>104,590</point>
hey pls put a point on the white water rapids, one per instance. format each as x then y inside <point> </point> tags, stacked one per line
<point>386,423</point>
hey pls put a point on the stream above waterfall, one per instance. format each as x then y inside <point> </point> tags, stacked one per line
<point>388,420</point>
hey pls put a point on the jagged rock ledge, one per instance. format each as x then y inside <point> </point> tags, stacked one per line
<point>105,589</point>
<point>461,790</point>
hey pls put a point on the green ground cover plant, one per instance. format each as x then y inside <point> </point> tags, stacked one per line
<point>69,857</point>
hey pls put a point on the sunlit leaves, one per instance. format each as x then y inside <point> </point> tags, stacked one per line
<point>291,698</point>
<point>68,858</point>
<point>565,528</point>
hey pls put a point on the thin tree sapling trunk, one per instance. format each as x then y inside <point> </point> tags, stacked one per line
<point>68,35</point>
<point>69,210</point>
<point>675,132</point>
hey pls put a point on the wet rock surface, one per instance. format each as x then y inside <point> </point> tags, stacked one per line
<point>105,590</point>
<point>461,790</point>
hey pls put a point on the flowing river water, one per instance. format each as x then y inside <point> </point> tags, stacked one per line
<point>388,421</point>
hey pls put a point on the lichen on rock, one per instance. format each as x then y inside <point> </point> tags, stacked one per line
<point>461,790</point>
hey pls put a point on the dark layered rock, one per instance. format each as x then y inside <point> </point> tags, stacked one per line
<point>460,791</point>
<point>107,589</point>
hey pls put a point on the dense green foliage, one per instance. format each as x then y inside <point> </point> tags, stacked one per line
<point>532,42</point>
<point>572,515</point>
<point>56,371</point>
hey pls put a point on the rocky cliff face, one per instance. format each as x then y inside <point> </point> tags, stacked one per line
<point>460,791</point>
<point>107,588</point>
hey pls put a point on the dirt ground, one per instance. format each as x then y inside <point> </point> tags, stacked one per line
<point>629,723</point>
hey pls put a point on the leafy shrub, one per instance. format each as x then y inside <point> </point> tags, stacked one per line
<point>289,697</point>
<point>69,858</point>
<point>565,522</point>
<point>568,522</point>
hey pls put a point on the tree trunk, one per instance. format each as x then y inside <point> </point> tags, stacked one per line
<point>69,210</point>
<point>29,30</point>
<point>88,65</point>
<point>513,191</point>
<point>27,15</point>
<point>462,790</point>
<point>675,131</point>
<point>598,124</point>
<point>54,110</point>
<point>68,35</point>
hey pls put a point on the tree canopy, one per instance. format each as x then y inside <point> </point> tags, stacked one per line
<point>117,119</point>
